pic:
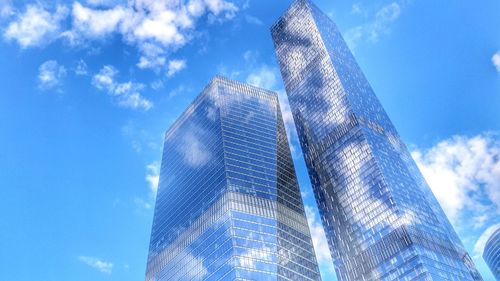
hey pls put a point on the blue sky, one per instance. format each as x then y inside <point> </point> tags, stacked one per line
<point>89,87</point>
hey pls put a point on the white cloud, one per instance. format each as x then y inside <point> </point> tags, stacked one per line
<point>6,9</point>
<point>496,60</point>
<point>135,100</point>
<point>162,25</point>
<point>81,68</point>
<point>36,26</point>
<point>175,66</point>
<point>263,77</point>
<point>464,174</point>
<point>153,176</point>
<point>196,7</point>
<point>153,56</point>
<point>379,25</point>
<point>481,242</point>
<point>219,6</point>
<point>156,28</point>
<point>153,62</point>
<point>104,80</point>
<point>101,265</point>
<point>125,94</point>
<point>319,240</point>
<point>50,74</point>
<point>94,22</point>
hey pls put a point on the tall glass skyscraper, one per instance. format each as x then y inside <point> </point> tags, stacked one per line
<point>381,219</point>
<point>491,253</point>
<point>228,205</point>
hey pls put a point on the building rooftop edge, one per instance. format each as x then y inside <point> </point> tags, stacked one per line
<point>490,239</point>
<point>285,12</point>
<point>244,84</point>
<point>215,80</point>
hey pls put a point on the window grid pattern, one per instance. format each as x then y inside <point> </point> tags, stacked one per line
<point>381,220</point>
<point>491,253</point>
<point>228,205</point>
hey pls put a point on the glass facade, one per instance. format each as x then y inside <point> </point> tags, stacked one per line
<point>381,219</point>
<point>228,205</point>
<point>491,253</point>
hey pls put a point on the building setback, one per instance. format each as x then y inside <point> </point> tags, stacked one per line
<point>228,205</point>
<point>491,253</point>
<point>381,219</point>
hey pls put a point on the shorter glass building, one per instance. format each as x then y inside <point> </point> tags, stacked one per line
<point>228,205</point>
<point>491,253</point>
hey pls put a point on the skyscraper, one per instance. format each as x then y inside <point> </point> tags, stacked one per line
<point>381,219</point>
<point>491,253</point>
<point>228,205</point>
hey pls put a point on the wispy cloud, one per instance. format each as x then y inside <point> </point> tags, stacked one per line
<point>357,9</point>
<point>253,20</point>
<point>36,26</point>
<point>50,74</point>
<point>175,66</point>
<point>250,56</point>
<point>142,203</point>
<point>99,264</point>
<point>81,68</point>
<point>383,18</point>
<point>223,70</point>
<point>141,138</point>
<point>179,90</point>
<point>379,25</point>
<point>157,85</point>
<point>126,94</point>
<point>495,59</point>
